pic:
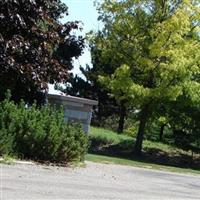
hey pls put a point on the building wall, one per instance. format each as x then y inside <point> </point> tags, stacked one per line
<point>79,116</point>
<point>76,112</point>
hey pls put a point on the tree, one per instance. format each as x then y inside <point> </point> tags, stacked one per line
<point>35,48</point>
<point>184,121</point>
<point>105,66</point>
<point>158,43</point>
<point>90,87</point>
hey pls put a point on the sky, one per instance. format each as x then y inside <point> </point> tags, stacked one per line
<point>85,11</point>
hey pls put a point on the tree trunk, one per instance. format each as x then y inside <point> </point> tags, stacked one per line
<point>99,112</point>
<point>161,132</point>
<point>121,118</point>
<point>143,120</point>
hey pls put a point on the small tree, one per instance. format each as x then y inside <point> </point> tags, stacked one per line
<point>158,42</point>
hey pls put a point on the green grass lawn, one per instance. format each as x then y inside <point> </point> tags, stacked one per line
<point>135,163</point>
<point>108,146</point>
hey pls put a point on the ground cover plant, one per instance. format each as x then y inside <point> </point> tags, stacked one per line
<point>39,134</point>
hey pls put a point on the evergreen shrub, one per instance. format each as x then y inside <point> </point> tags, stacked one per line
<point>39,134</point>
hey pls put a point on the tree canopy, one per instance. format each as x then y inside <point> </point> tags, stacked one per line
<point>157,46</point>
<point>35,48</point>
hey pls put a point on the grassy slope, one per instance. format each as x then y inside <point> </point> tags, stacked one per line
<point>108,138</point>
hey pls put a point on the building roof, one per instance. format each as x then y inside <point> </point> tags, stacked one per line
<point>73,99</point>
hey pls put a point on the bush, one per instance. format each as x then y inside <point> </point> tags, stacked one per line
<point>39,134</point>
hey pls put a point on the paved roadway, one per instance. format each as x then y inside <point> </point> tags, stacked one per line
<point>95,181</point>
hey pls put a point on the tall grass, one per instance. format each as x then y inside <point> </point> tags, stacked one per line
<point>107,137</point>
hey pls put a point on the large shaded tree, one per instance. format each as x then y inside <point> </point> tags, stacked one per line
<point>105,66</point>
<point>35,48</point>
<point>158,42</point>
<point>90,87</point>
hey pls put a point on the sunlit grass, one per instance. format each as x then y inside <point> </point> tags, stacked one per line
<point>157,155</point>
<point>136,163</point>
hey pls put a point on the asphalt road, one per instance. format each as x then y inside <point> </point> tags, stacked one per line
<point>95,181</point>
